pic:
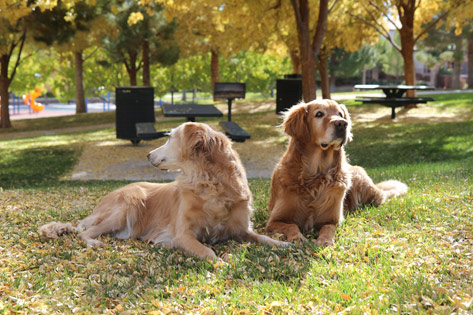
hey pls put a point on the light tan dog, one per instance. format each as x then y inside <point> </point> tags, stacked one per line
<point>210,199</point>
<point>313,182</point>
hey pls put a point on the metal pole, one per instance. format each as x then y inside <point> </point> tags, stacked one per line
<point>229,100</point>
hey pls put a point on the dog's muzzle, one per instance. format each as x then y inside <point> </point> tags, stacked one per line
<point>341,128</point>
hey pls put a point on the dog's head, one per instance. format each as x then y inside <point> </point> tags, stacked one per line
<point>324,123</point>
<point>188,142</point>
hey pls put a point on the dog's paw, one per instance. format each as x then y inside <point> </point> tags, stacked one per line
<point>95,243</point>
<point>296,237</point>
<point>323,242</point>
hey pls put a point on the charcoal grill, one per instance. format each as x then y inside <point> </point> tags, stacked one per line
<point>229,91</point>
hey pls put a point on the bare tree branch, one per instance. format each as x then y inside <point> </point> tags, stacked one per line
<point>431,25</point>
<point>22,42</point>
<point>384,13</point>
<point>91,54</point>
<point>321,27</point>
<point>333,6</point>
<point>297,13</point>
<point>378,29</point>
<point>276,6</point>
<point>418,4</point>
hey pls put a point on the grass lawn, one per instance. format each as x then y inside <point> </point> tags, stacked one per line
<point>411,255</point>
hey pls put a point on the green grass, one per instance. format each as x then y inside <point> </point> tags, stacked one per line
<point>410,255</point>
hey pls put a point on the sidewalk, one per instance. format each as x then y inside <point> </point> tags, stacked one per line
<point>52,110</point>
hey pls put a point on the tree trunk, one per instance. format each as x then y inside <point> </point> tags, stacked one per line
<point>375,74</point>
<point>309,48</point>
<point>332,80</point>
<point>4,85</point>
<point>363,75</point>
<point>433,75</point>
<point>408,9</point>
<point>79,82</point>
<point>324,77</point>
<point>131,68</point>
<point>296,62</point>
<point>470,60</point>
<point>409,68</point>
<point>214,72</point>
<point>309,84</point>
<point>457,59</point>
<point>146,71</point>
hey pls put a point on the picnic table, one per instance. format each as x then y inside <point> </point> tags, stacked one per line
<point>190,111</point>
<point>394,95</point>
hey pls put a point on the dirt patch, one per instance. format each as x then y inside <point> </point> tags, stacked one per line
<point>120,160</point>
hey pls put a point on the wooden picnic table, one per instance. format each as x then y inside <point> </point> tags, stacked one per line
<point>394,95</point>
<point>190,111</point>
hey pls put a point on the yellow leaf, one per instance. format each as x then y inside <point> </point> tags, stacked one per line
<point>219,264</point>
<point>346,297</point>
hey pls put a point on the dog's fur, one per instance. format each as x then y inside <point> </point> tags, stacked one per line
<point>313,183</point>
<point>209,201</point>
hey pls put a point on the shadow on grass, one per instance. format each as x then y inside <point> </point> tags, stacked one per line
<point>34,167</point>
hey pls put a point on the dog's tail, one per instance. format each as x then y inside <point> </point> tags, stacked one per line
<point>392,188</point>
<point>56,229</point>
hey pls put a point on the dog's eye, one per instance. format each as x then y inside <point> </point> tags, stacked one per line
<point>340,114</point>
<point>319,114</point>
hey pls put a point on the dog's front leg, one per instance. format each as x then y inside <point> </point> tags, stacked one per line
<point>326,235</point>
<point>190,245</point>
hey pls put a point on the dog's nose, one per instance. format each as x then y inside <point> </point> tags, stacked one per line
<point>148,156</point>
<point>341,124</point>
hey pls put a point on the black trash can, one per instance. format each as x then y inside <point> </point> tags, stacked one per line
<point>134,104</point>
<point>288,92</point>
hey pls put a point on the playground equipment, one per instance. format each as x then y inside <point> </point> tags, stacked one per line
<point>29,99</point>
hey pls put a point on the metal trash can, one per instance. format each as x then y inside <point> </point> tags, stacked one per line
<point>134,104</point>
<point>288,92</point>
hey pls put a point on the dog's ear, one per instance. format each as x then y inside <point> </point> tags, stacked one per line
<point>295,121</point>
<point>199,140</point>
<point>346,115</point>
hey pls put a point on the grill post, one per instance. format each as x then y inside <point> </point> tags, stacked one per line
<point>229,102</point>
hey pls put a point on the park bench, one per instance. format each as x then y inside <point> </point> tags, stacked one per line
<point>393,96</point>
<point>146,131</point>
<point>231,91</point>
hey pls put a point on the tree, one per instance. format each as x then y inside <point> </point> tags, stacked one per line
<point>220,28</point>
<point>72,29</point>
<point>201,30</point>
<point>256,69</point>
<point>340,32</point>
<point>309,47</point>
<point>443,45</point>
<point>412,19</point>
<point>352,64</point>
<point>13,31</point>
<point>142,37</point>
<point>342,37</point>
<point>433,61</point>
<point>470,59</point>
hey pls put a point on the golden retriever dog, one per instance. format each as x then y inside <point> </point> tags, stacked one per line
<point>209,201</point>
<point>313,183</point>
